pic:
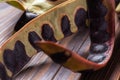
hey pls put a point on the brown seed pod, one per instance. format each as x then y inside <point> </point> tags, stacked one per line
<point>42,32</point>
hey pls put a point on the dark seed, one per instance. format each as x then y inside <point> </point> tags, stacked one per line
<point>20,55</point>
<point>65,26</point>
<point>98,24</point>
<point>96,57</point>
<point>80,18</point>
<point>25,18</point>
<point>3,73</point>
<point>9,60</point>
<point>100,37</point>
<point>96,9</point>
<point>33,37</point>
<point>47,33</point>
<point>60,57</point>
<point>98,48</point>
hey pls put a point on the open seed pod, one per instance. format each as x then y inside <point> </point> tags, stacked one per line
<point>44,32</point>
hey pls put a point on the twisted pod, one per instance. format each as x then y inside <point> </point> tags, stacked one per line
<point>62,20</point>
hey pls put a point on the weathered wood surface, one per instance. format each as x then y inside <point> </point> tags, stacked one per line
<point>41,67</point>
<point>8,17</point>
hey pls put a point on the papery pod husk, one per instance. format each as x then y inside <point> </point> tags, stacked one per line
<point>52,17</point>
<point>77,63</point>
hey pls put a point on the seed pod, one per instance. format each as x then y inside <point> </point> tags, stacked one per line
<point>48,25</point>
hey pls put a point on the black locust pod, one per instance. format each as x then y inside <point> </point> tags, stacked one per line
<point>102,35</point>
<point>61,19</point>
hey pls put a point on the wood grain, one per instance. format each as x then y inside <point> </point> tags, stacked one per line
<point>8,18</point>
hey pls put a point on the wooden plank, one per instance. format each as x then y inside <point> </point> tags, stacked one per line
<point>8,18</point>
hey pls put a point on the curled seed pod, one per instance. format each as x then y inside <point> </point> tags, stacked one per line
<point>96,57</point>
<point>65,26</point>
<point>98,48</point>
<point>25,18</point>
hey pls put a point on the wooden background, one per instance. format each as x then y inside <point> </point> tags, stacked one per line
<point>41,67</point>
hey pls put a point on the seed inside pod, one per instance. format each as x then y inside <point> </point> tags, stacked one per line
<point>20,55</point>
<point>47,33</point>
<point>98,48</point>
<point>65,26</point>
<point>3,73</point>
<point>98,24</point>
<point>80,17</point>
<point>33,37</point>
<point>9,60</point>
<point>100,37</point>
<point>25,18</point>
<point>96,9</point>
<point>60,57</point>
<point>96,57</point>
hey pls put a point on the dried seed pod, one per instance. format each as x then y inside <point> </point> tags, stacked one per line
<point>51,33</point>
